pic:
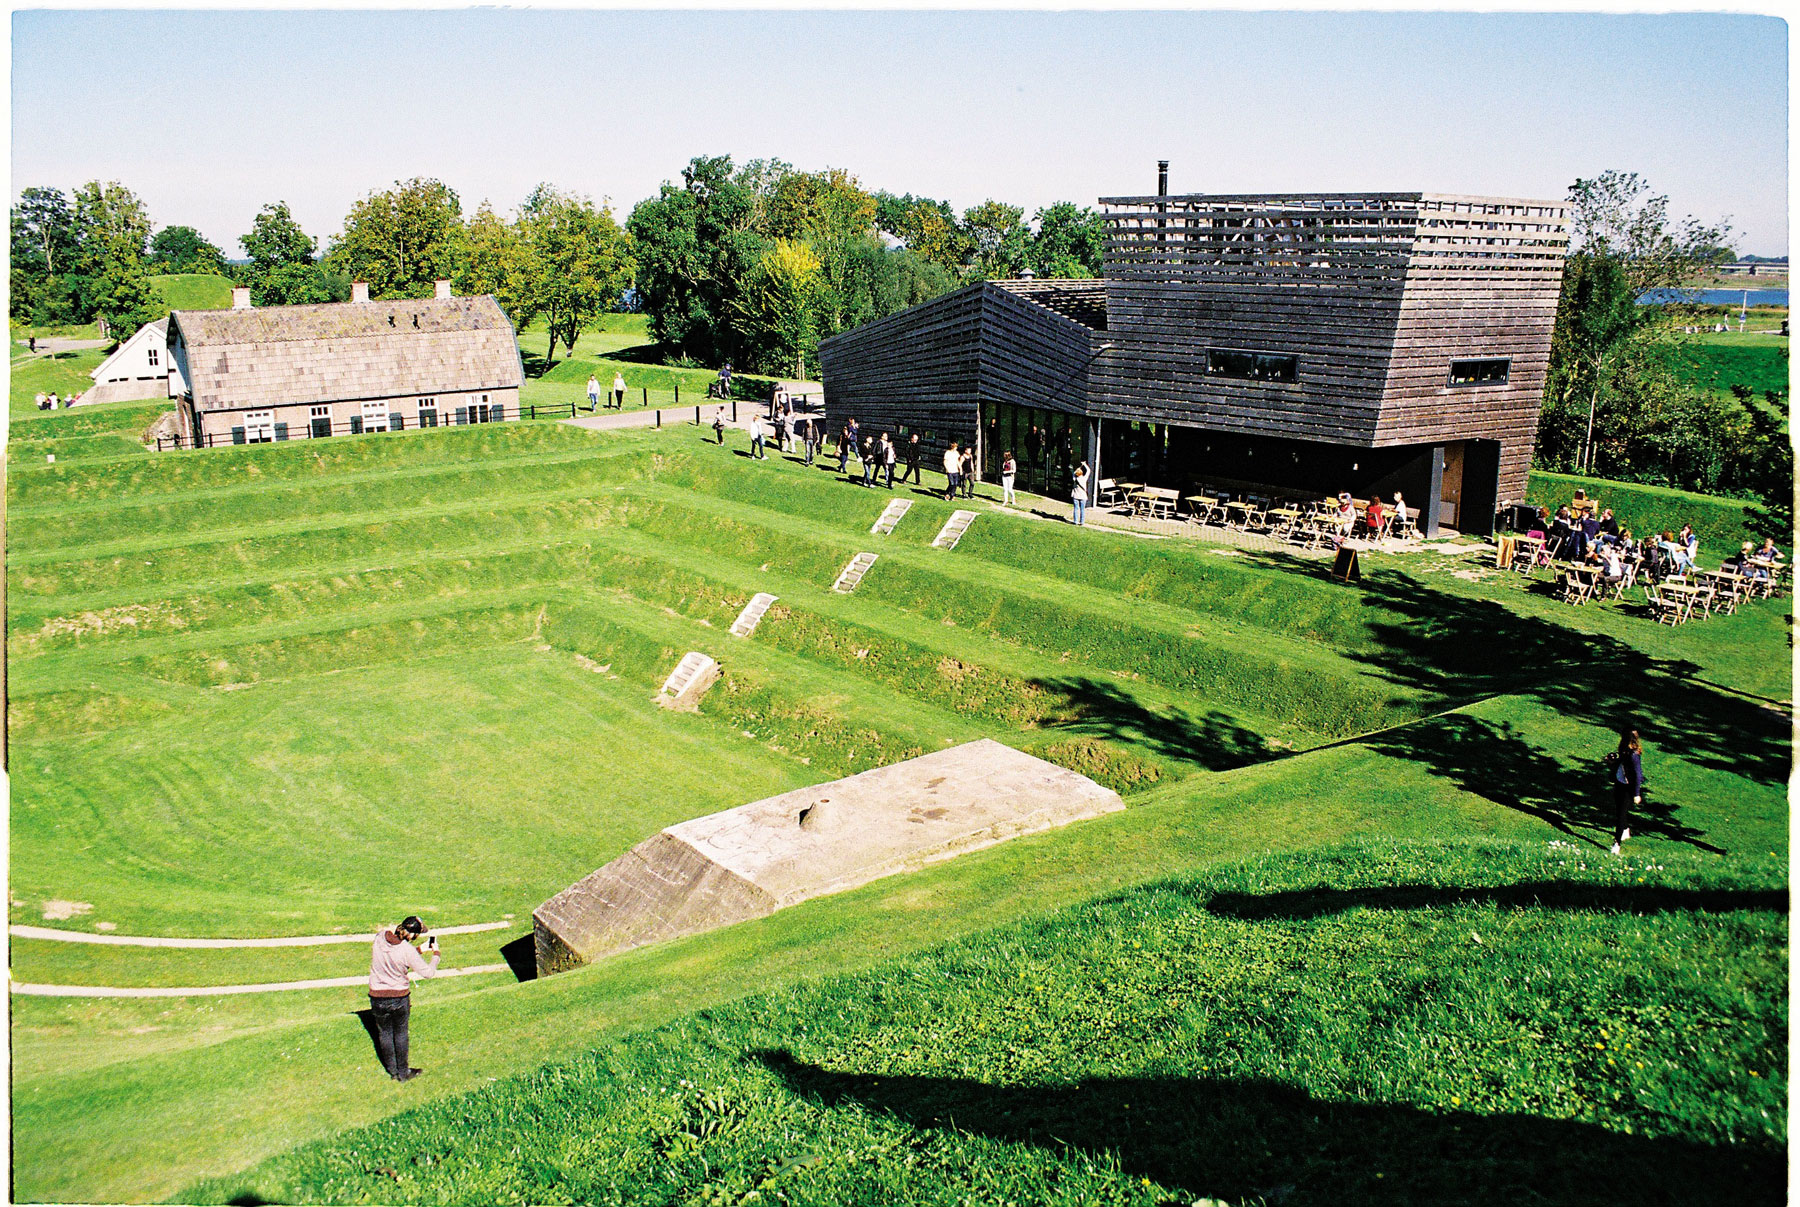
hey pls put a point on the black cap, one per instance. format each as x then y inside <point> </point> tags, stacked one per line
<point>412,925</point>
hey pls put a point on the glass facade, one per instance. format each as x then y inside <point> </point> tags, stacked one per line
<point>1046,444</point>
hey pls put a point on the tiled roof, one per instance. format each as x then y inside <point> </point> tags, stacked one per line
<point>276,355</point>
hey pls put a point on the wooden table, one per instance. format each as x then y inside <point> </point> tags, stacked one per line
<point>1728,586</point>
<point>1580,583</point>
<point>1156,502</point>
<point>1689,594</point>
<point>1284,518</point>
<point>1530,548</point>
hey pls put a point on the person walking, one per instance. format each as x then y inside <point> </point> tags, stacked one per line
<point>619,390</point>
<point>952,470</point>
<point>866,453</point>
<point>757,435</point>
<point>889,455</point>
<point>1627,766</point>
<point>1009,470</point>
<point>390,992</point>
<point>719,425</point>
<point>968,472</point>
<point>913,454</point>
<point>1078,494</point>
<point>844,449</point>
<point>593,392</point>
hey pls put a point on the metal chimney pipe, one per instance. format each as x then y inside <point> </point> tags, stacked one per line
<point>1162,178</point>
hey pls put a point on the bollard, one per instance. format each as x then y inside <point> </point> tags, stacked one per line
<point>734,410</point>
<point>646,395</point>
<point>658,416</point>
<point>677,393</point>
<point>696,416</point>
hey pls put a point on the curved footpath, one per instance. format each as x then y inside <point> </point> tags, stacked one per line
<point>80,936</point>
<point>26,990</point>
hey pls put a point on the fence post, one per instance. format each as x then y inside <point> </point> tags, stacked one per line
<point>734,410</point>
<point>647,397</point>
<point>696,416</point>
<point>677,393</point>
<point>658,416</point>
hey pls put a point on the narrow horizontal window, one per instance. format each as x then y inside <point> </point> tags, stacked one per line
<point>1252,366</point>
<point>1480,372</point>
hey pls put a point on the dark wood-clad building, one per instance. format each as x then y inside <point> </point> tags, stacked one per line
<point>1307,343</point>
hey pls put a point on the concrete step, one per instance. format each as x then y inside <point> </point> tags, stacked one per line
<point>891,515</point>
<point>752,614</point>
<point>853,573</point>
<point>692,676</point>
<point>953,529</point>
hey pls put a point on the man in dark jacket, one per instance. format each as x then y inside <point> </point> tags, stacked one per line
<point>912,460</point>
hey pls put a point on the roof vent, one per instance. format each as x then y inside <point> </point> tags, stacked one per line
<point>443,289</point>
<point>240,298</point>
<point>359,291</point>
<point>1025,274</point>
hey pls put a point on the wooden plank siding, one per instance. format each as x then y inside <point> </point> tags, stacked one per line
<point>930,367</point>
<point>1374,294</point>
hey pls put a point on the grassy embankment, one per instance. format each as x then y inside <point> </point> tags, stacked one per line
<point>622,345</point>
<point>231,669</point>
<point>1374,1025</point>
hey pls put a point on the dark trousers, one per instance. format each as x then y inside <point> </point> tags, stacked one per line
<point>868,464</point>
<point>1622,795</point>
<point>619,399</point>
<point>889,466</point>
<point>912,471</point>
<point>391,1015</point>
<point>756,447</point>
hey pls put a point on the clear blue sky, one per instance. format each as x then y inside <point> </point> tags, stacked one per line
<point>208,115</point>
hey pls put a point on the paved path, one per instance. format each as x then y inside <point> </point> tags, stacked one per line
<point>78,936</point>
<point>25,990</point>
<point>57,343</point>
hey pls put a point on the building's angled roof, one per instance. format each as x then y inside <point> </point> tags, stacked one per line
<point>1081,300</point>
<point>155,329</point>
<point>342,351</point>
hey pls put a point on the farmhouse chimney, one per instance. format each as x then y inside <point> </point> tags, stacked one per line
<point>443,289</point>
<point>359,291</point>
<point>240,298</point>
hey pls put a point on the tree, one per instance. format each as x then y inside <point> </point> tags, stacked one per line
<point>696,246</point>
<point>575,263</point>
<point>493,261</point>
<point>184,249</point>
<point>1616,217</point>
<point>281,270</point>
<point>778,308</point>
<point>403,240</point>
<point>43,246</point>
<point>999,237</point>
<point>1070,242</point>
<point>111,229</point>
<point>929,229</point>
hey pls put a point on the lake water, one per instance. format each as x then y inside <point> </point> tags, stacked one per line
<point>1716,297</point>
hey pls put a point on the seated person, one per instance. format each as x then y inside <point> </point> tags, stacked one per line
<point>1561,535</point>
<point>1376,517</point>
<point>1609,526</point>
<point>1768,552</point>
<point>1744,562</point>
<point>1674,553</point>
<point>1612,566</point>
<point>1344,518</point>
<point>1690,545</point>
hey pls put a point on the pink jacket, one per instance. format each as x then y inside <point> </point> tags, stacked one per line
<point>390,960</point>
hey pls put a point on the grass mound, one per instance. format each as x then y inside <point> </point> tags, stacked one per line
<point>1377,1024</point>
<point>193,291</point>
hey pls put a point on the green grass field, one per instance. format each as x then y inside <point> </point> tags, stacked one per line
<point>300,688</point>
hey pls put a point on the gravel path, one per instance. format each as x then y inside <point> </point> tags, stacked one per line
<point>25,990</point>
<point>78,936</point>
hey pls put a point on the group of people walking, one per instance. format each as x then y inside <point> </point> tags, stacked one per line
<point>615,399</point>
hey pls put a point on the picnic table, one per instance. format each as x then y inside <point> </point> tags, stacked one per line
<point>1581,583</point>
<point>1283,519</point>
<point>1728,588</point>
<point>1688,596</point>
<point>1155,501</point>
<point>1531,548</point>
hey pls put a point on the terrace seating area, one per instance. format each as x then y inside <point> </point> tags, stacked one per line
<point>1583,564</point>
<point>1308,521</point>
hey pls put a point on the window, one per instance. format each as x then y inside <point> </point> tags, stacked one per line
<point>1480,372</point>
<point>321,421</point>
<point>428,412</point>
<point>155,356</point>
<point>1252,366</point>
<point>374,416</point>
<point>259,427</point>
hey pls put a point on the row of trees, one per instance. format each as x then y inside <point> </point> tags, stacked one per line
<point>1626,396</point>
<point>752,264</point>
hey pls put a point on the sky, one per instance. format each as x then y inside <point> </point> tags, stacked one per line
<point>209,115</point>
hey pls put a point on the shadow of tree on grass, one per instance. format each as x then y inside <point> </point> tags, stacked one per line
<point>1237,1140</point>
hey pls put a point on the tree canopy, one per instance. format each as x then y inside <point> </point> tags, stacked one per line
<point>402,240</point>
<point>184,249</point>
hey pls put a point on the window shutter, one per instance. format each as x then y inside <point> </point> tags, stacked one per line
<point>396,421</point>
<point>498,414</point>
<point>237,436</point>
<point>281,431</point>
<point>356,425</point>
<point>462,416</point>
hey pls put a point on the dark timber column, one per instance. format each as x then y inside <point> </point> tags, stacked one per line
<point>1092,456</point>
<point>1428,509</point>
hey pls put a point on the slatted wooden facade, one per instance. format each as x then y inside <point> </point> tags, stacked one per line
<point>930,368</point>
<point>1373,295</point>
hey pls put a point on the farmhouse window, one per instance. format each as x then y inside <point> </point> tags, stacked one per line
<point>1480,372</point>
<point>374,417</point>
<point>321,421</point>
<point>259,427</point>
<point>428,413</point>
<point>1252,366</point>
<point>153,357</point>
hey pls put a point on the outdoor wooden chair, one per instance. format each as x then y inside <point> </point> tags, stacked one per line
<point>1107,493</point>
<point>1401,525</point>
<point>1665,609</point>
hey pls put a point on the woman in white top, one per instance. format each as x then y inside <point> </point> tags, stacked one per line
<point>1009,469</point>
